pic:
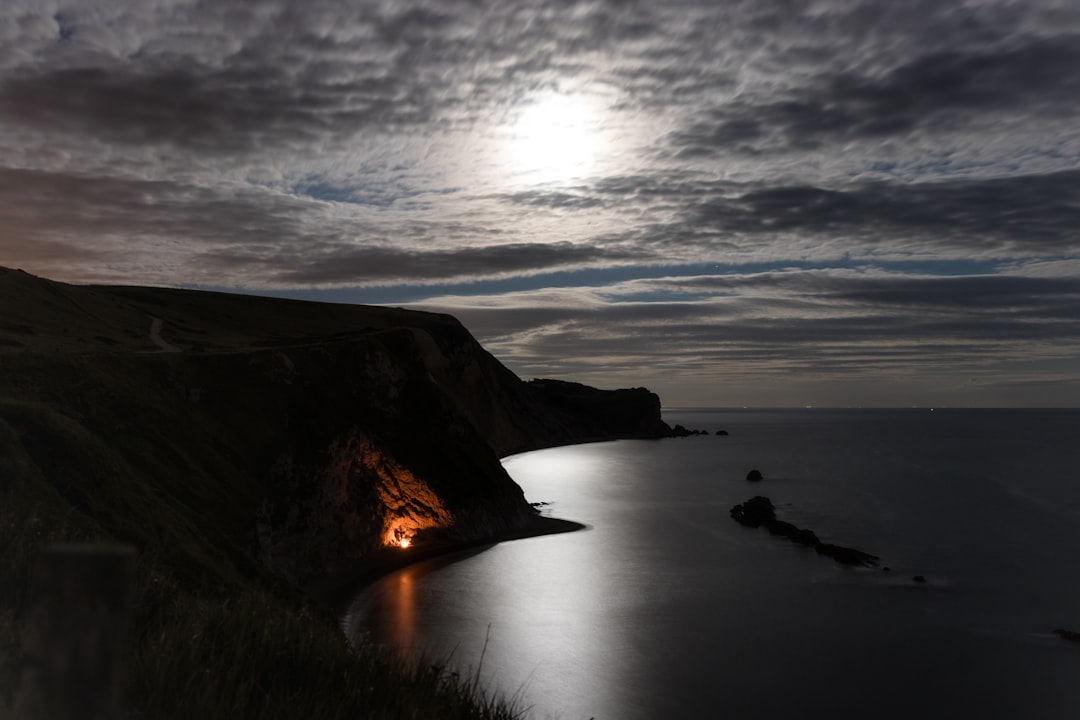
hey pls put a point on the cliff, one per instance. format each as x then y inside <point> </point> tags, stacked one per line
<point>242,434</point>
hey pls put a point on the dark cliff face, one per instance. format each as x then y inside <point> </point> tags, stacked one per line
<point>585,413</point>
<point>515,416</point>
<point>303,435</point>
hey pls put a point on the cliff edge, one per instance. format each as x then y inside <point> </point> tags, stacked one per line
<point>243,434</point>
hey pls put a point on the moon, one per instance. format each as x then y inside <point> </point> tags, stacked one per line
<point>556,138</point>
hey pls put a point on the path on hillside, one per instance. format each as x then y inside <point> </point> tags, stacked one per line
<point>155,337</point>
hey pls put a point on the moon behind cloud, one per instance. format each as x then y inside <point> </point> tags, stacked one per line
<point>555,139</point>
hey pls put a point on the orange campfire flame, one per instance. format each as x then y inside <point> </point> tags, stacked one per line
<point>402,537</point>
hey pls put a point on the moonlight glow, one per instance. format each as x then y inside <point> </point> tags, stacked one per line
<point>856,202</point>
<point>555,139</point>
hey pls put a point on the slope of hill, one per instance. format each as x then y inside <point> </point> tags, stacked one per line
<point>238,442</point>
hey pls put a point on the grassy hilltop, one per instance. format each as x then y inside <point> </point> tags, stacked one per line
<point>249,447</point>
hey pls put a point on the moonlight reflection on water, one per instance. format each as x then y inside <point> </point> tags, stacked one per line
<point>665,607</point>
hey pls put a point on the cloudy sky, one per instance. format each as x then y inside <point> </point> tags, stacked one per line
<point>769,202</point>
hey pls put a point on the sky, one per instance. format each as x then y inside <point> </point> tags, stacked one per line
<point>761,203</point>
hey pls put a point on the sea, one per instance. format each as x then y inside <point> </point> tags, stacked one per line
<point>664,607</point>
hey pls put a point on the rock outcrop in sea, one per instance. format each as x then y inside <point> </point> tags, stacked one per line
<point>759,511</point>
<point>1069,635</point>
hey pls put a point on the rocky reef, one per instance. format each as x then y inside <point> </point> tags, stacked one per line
<point>302,435</point>
<point>758,511</point>
<point>1069,635</point>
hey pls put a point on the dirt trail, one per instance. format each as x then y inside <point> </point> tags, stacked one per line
<point>155,337</point>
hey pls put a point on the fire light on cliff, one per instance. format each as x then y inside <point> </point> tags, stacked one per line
<point>402,538</point>
<point>409,504</point>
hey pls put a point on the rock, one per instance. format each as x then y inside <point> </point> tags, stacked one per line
<point>754,475</point>
<point>585,412</point>
<point>680,431</point>
<point>919,579</point>
<point>721,432</point>
<point>754,512</point>
<point>802,536</point>
<point>759,511</point>
<point>1070,635</point>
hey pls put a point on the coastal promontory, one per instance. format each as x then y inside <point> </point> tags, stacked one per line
<point>252,445</point>
<point>301,435</point>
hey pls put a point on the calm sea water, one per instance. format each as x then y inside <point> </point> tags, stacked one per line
<point>665,607</point>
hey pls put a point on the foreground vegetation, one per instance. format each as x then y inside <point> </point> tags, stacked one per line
<point>245,446</point>
<point>215,635</point>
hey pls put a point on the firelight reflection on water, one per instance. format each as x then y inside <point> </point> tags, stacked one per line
<point>664,607</point>
<point>557,627</point>
<point>404,604</point>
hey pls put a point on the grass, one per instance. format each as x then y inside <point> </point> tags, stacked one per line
<point>212,639</point>
<point>253,656</point>
<point>223,466</point>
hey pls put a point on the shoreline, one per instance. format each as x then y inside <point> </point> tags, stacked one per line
<point>337,589</point>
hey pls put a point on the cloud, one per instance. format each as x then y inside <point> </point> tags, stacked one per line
<point>258,236</point>
<point>785,190</point>
<point>284,86</point>
<point>683,216</point>
<point>1020,214</point>
<point>348,264</point>
<point>555,200</point>
<point>763,328</point>
<point>942,92</point>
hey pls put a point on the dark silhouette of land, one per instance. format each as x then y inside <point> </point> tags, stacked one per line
<point>250,447</point>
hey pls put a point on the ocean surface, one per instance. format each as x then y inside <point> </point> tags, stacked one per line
<point>666,608</point>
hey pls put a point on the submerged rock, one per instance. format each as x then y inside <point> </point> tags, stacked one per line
<point>846,555</point>
<point>680,431</point>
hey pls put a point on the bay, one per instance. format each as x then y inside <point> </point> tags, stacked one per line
<point>665,607</point>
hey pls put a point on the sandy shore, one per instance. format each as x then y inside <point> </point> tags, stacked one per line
<point>337,590</point>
